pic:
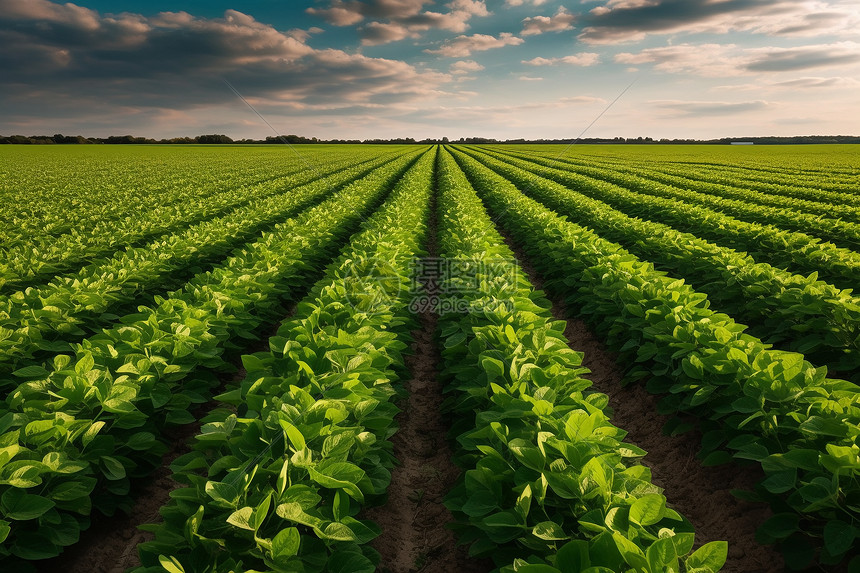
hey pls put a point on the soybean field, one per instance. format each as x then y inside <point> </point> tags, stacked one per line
<point>416,358</point>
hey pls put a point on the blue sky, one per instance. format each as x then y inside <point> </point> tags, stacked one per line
<point>414,68</point>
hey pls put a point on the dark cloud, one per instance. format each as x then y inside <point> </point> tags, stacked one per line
<point>349,12</point>
<point>627,20</point>
<point>403,18</point>
<point>63,60</point>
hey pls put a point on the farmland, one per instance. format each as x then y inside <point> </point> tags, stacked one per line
<point>513,358</point>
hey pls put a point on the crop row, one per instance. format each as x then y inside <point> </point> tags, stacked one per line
<point>770,186</point>
<point>548,485</point>
<point>797,312</point>
<point>48,318</point>
<point>842,233</point>
<point>794,251</point>
<point>49,192</point>
<point>276,481</point>
<point>753,403</point>
<point>74,438</point>
<point>43,257</point>
<point>832,205</point>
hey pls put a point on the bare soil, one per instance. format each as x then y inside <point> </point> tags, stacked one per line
<point>414,537</point>
<point>701,494</point>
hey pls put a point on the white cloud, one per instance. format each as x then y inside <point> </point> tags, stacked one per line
<point>463,46</point>
<point>584,59</point>
<point>792,85</point>
<point>465,67</point>
<point>562,20</point>
<point>529,79</point>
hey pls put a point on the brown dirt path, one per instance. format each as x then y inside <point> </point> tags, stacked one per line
<point>414,537</point>
<point>701,494</point>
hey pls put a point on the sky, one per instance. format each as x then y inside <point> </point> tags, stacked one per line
<point>364,69</point>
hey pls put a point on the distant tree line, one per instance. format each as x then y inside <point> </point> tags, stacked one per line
<point>211,139</point>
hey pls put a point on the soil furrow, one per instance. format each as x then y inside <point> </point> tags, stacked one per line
<point>701,494</point>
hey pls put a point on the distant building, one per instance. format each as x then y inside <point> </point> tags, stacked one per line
<point>743,143</point>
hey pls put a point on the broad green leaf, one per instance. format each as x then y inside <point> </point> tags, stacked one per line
<point>549,531</point>
<point>648,509</point>
<point>170,564</point>
<point>224,494</point>
<point>31,372</point>
<point>20,506</point>
<point>838,536</point>
<point>241,518</point>
<point>285,544</point>
<point>710,556</point>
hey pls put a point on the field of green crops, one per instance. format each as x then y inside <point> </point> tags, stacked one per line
<point>242,319</point>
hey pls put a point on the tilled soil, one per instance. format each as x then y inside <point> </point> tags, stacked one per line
<point>701,494</point>
<point>414,537</point>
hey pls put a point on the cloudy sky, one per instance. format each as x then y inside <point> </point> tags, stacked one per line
<point>417,68</point>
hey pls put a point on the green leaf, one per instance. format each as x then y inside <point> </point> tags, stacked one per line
<point>346,561</point>
<point>114,470</point>
<point>693,367</point>
<point>224,494</point>
<point>339,475</point>
<point>480,503</point>
<point>781,525</point>
<point>717,458</point>
<point>549,531</point>
<point>170,564</point>
<point>85,363</point>
<point>91,433</point>
<point>661,553</point>
<point>241,518</point>
<point>38,372</point>
<point>285,544</point>
<point>838,537</point>
<point>781,482</point>
<point>494,368</point>
<point>4,530</point>
<point>338,532</point>
<point>710,556</point>
<point>192,524</point>
<point>20,506</point>
<point>295,436</point>
<point>648,509</point>
<point>573,556</point>
<point>141,441</point>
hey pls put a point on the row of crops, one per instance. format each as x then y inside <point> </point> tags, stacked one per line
<point>130,289</point>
